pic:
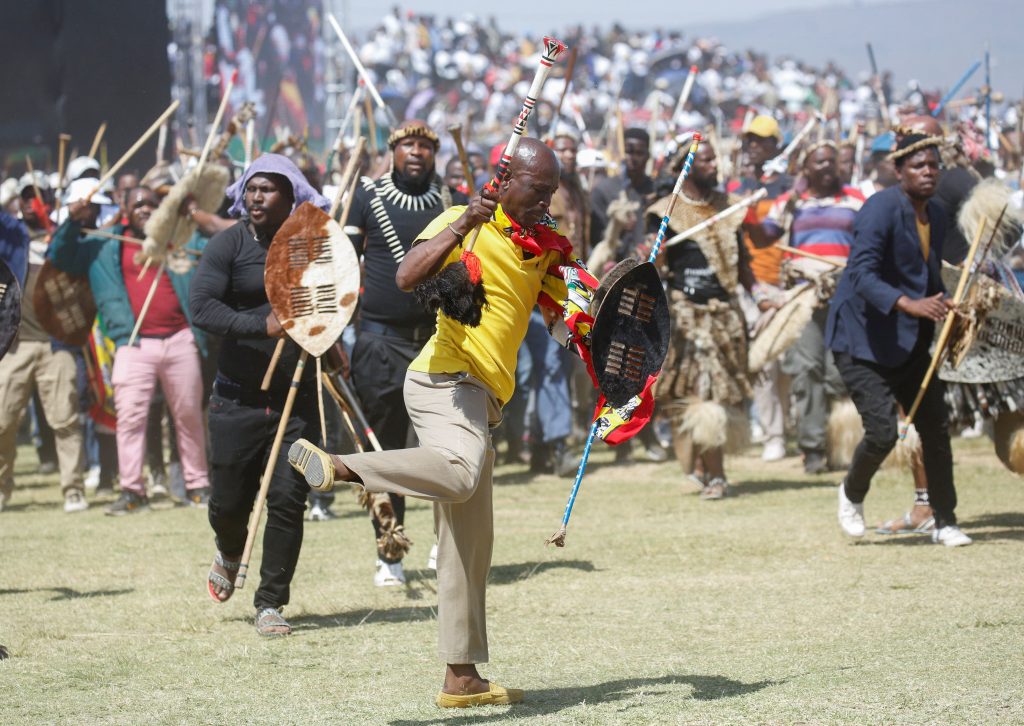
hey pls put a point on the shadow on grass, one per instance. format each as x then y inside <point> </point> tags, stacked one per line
<point>506,574</point>
<point>363,616</point>
<point>552,700</point>
<point>67,593</point>
<point>766,486</point>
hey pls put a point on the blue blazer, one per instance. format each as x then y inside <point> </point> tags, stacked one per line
<point>885,263</point>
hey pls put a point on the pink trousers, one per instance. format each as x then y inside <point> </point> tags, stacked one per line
<point>174,361</point>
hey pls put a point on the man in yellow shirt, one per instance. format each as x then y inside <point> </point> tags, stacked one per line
<point>454,391</point>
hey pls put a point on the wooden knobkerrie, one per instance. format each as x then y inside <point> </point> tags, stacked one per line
<point>312,278</point>
<point>64,305</point>
<point>10,307</point>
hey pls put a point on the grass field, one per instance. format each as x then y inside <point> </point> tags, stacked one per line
<point>662,609</point>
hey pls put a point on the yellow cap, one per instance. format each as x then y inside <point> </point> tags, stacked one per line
<point>764,126</point>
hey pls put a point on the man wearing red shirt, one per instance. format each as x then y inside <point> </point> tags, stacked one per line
<point>167,348</point>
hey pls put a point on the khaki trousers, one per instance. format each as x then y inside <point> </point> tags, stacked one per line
<point>54,374</point>
<point>452,415</point>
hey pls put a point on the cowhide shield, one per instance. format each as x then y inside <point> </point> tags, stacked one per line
<point>10,307</point>
<point>780,328</point>
<point>312,278</point>
<point>996,352</point>
<point>64,305</point>
<point>630,337</point>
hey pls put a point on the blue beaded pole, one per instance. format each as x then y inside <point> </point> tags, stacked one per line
<point>683,173</point>
<point>558,538</point>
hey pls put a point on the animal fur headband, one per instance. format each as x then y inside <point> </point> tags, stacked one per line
<point>413,128</point>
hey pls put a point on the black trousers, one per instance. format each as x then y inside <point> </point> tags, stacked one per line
<point>875,391</point>
<point>241,437</point>
<point>379,363</point>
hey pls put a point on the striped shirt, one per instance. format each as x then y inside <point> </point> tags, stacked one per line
<point>820,225</point>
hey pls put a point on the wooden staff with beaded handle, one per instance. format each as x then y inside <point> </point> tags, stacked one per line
<point>467,272</point>
<point>683,173</point>
<point>552,49</point>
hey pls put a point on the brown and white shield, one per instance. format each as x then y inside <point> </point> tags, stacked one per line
<point>312,278</point>
<point>64,305</point>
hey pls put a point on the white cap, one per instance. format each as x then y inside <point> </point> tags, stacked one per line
<point>81,164</point>
<point>587,158</point>
<point>27,180</point>
<point>79,189</point>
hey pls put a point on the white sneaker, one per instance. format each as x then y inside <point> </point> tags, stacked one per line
<point>951,536</point>
<point>318,513</point>
<point>432,560</point>
<point>92,479</point>
<point>158,487</point>
<point>774,449</point>
<point>74,501</point>
<point>851,516</point>
<point>757,434</point>
<point>389,574</point>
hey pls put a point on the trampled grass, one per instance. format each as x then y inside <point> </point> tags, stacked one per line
<point>662,609</point>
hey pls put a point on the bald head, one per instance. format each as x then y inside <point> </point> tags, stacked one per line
<point>532,180</point>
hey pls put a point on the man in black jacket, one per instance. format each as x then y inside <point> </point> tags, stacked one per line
<point>880,325</point>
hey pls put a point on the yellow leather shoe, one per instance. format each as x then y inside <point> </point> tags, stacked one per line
<point>313,463</point>
<point>495,696</point>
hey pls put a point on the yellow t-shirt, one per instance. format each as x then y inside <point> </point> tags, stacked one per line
<point>488,351</point>
<point>924,233</point>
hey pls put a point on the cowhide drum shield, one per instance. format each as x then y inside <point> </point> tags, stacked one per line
<point>10,307</point>
<point>778,329</point>
<point>995,350</point>
<point>631,331</point>
<point>64,305</point>
<point>312,278</point>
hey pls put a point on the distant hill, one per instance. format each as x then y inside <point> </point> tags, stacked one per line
<point>933,41</point>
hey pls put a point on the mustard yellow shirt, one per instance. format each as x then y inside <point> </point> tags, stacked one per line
<point>512,284</point>
<point>924,233</point>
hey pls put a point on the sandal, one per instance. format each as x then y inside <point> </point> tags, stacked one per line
<point>905,525</point>
<point>221,588</point>
<point>271,623</point>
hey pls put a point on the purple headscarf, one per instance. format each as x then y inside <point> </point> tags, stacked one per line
<point>275,164</point>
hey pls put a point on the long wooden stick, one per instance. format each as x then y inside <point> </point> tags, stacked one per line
<point>353,403</point>
<point>272,366</point>
<point>62,145</point>
<point>346,177</point>
<point>810,255</point>
<point>710,221</point>
<point>131,240</point>
<point>97,139</point>
<point>320,400</point>
<point>268,472</point>
<point>371,129</point>
<point>146,304</point>
<point>361,69</point>
<point>947,327</point>
<point>467,171</point>
<point>134,148</point>
<point>345,415</point>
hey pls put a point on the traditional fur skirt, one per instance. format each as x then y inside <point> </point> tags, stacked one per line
<point>707,356</point>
